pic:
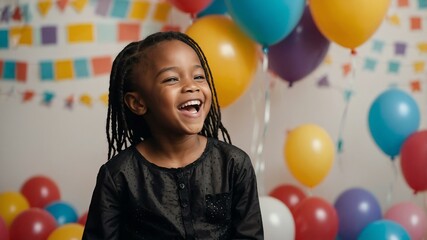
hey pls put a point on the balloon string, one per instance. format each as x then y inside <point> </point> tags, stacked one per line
<point>389,196</point>
<point>347,96</point>
<point>260,161</point>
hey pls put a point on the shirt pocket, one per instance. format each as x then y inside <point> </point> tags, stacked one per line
<point>218,208</point>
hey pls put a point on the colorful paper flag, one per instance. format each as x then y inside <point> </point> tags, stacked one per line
<point>415,86</point>
<point>79,5</point>
<point>78,33</point>
<point>63,70</point>
<point>393,66</point>
<point>44,6</point>
<point>419,66</point>
<point>101,65</point>
<point>129,32</point>
<point>139,10</point>
<point>161,12</point>
<point>46,70</point>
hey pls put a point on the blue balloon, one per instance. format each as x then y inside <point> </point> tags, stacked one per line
<point>216,7</point>
<point>62,212</point>
<point>384,230</point>
<point>266,22</point>
<point>393,116</point>
<point>356,208</point>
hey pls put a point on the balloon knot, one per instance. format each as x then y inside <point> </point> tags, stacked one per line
<point>265,50</point>
<point>353,52</point>
<point>415,192</point>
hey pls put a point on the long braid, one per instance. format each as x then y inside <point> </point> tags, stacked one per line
<point>123,127</point>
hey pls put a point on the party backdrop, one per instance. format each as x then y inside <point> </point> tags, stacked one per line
<point>330,106</point>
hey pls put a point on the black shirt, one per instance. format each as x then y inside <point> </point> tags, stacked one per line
<point>215,197</point>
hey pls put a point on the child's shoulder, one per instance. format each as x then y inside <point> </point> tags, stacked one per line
<point>229,150</point>
<point>123,158</point>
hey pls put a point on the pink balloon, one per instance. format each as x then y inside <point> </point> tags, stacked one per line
<point>4,231</point>
<point>411,217</point>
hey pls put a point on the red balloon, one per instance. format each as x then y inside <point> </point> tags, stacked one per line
<point>40,191</point>
<point>4,231</point>
<point>290,195</point>
<point>413,160</point>
<point>315,218</point>
<point>191,6</point>
<point>34,224</point>
<point>82,219</point>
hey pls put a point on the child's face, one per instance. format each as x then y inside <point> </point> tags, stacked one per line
<point>173,88</point>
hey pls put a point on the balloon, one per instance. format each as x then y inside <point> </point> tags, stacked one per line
<point>290,195</point>
<point>266,22</point>
<point>190,6</point>
<point>69,231</point>
<point>356,208</point>
<point>82,219</point>
<point>384,230</point>
<point>12,204</point>
<point>315,218</point>
<point>40,191</point>
<point>277,220</point>
<point>413,160</point>
<point>216,7</point>
<point>411,217</point>
<point>63,212</point>
<point>309,154</point>
<point>33,223</point>
<point>349,23</point>
<point>232,56</point>
<point>393,116</point>
<point>4,230</point>
<point>300,53</point>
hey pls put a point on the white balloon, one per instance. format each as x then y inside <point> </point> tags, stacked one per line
<point>277,219</point>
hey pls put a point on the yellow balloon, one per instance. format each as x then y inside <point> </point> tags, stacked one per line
<point>232,56</point>
<point>309,154</point>
<point>12,204</point>
<point>69,231</point>
<point>348,22</point>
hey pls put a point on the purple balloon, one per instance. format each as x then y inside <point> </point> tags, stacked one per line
<point>356,208</point>
<point>300,53</point>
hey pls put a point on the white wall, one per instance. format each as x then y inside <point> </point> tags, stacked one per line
<point>70,145</point>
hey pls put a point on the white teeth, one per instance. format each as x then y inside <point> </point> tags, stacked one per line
<point>190,103</point>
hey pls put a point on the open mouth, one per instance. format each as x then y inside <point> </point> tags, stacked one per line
<point>192,106</point>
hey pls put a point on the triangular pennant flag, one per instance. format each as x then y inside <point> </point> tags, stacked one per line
<point>416,86</point>
<point>17,15</point>
<point>104,99</point>
<point>27,95</point>
<point>69,102</point>
<point>44,6</point>
<point>48,98</point>
<point>26,13</point>
<point>346,69</point>
<point>78,5</point>
<point>323,81</point>
<point>62,4</point>
<point>86,100</point>
<point>5,14</point>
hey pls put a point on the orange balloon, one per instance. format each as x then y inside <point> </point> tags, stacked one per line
<point>12,204</point>
<point>350,22</point>
<point>232,56</point>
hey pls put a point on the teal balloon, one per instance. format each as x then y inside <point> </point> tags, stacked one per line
<point>266,22</point>
<point>217,7</point>
<point>384,230</point>
<point>393,116</point>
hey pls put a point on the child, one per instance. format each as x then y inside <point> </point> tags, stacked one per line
<point>169,177</point>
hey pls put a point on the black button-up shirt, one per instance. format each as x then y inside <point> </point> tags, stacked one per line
<point>215,197</point>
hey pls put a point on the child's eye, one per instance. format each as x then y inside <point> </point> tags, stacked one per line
<point>170,80</point>
<point>200,77</point>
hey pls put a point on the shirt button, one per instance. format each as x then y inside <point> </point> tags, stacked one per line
<point>182,185</point>
<point>184,204</point>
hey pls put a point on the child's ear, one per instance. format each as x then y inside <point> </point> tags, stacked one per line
<point>135,103</point>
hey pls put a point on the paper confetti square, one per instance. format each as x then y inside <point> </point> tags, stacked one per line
<point>46,70</point>
<point>81,68</point>
<point>4,38</point>
<point>106,33</point>
<point>21,71</point>
<point>139,10</point>
<point>9,70</point>
<point>102,7</point>
<point>63,70</point>
<point>101,65</point>
<point>48,35</point>
<point>393,66</point>
<point>129,32</point>
<point>120,9</point>
<point>161,13</point>
<point>80,33</point>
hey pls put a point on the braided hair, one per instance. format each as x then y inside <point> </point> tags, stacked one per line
<point>125,128</point>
